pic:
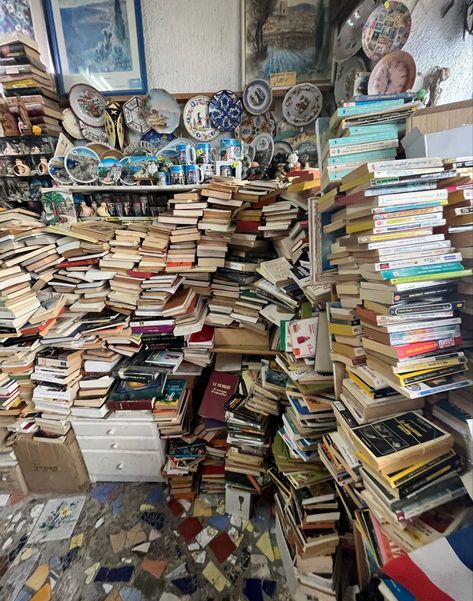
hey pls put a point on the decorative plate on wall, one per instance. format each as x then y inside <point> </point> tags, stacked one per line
<point>302,104</point>
<point>264,148</point>
<point>225,110</point>
<point>110,131</point>
<point>252,125</point>
<point>71,124</point>
<point>395,73</point>
<point>93,134</point>
<point>109,171</point>
<point>57,170</point>
<point>162,112</point>
<point>81,163</point>
<point>348,41</point>
<point>257,97</point>
<point>386,29</point>
<point>88,104</point>
<point>196,119</point>
<point>345,78</point>
<point>134,115</point>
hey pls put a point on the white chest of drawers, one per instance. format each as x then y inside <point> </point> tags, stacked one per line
<point>121,448</point>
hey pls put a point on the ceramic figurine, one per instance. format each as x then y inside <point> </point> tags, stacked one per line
<point>94,207</point>
<point>103,211</point>
<point>84,210</point>
<point>21,168</point>
<point>293,161</point>
<point>9,149</point>
<point>436,79</point>
<point>43,166</point>
<point>280,171</point>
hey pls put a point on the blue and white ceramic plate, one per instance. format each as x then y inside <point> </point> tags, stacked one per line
<point>136,168</point>
<point>252,125</point>
<point>225,110</point>
<point>257,97</point>
<point>264,148</point>
<point>157,140</point>
<point>134,115</point>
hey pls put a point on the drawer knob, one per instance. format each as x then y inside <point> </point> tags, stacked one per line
<point>4,478</point>
<point>114,445</point>
<point>120,466</point>
<point>110,432</point>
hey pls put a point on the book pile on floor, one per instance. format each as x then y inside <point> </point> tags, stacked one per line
<point>365,129</point>
<point>30,89</point>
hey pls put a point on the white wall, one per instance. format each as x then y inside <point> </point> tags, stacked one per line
<point>195,45</point>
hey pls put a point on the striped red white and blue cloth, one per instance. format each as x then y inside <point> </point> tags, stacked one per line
<point>440,571</point>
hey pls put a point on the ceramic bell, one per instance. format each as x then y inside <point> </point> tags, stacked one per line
<point>102,211</point>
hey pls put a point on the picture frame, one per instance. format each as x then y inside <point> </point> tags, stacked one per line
<point>272,42</point>
<point>110,57</point>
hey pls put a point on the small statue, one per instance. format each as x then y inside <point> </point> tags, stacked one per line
<point>280,171</point>
<point>102,211</point>
<point>94,207</point>
<point>436,79</point>
<point>293,161</point>
<point>84,210</point>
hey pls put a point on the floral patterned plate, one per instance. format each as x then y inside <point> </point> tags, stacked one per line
<point>302,104</point>
<point>88,104</point>
<point>252,125</point>
<point>225,110</point>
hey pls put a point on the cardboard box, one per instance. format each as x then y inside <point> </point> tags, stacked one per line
<point>447,144</point>
<point>241,338</point>
<point>52,467</point>
<point>444,116</point>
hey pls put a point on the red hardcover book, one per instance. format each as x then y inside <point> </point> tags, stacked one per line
<point>221,387</point>
<point>131,405</point>
<point>213,470</point>
<point>205,336</point>
<point>248,227</point>
<point>141,275</point>
<point>77,263</point>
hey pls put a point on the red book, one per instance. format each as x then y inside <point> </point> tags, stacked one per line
<point>41,327</point>
<point>142,275</point>
<point>221,387</point>
<point>77,263</point>
<point>429,346</point>
<point>131,405</point>
<point>205,336</point>
<point>213,470</point>
<point>247,227</point>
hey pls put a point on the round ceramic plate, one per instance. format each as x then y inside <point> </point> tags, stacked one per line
<point>386,29</point>
<point>348,41</point>
<point>197,120</point>
<point>93,134</point>
<point>81,163</point>
<point>264,148</point>
<point>252,125</point>
<point>302,104</point>
<point>393,74</point>
<point>110,131</point>
<point>225,110</point>
<point>282,148</point>
<point>88,104</point>
<point>345,78</point>
<point>57,170</point>
<point>162,112</point>
<point>257,97</point>
<point>306,147</point>
<point>134,115</point>
<point>134,168</point>
<point>157,140</point>
<point>120,131</point>
<point>109,171</point>
<point>71,124</point>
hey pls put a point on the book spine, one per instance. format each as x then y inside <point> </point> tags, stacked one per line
<point>425,293</point>
<point>368,129</point>
<point>437,373</point>
<point>418,206</point>
<point>384,97</point>
<point>432,276</point>
<point>410,262</point>
<point>362,156</point>
<point>363,109</point>
<point>422,334</point>
<point>427,391</point>
<point>393,236</point>
<point>362,147</point>
<point>362,138</point>
<point>418,270</point>
<point>420,348</point>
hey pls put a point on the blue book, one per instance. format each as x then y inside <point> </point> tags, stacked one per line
<point>395,209</point>
<point>401,593</point>
<point>362,138</point>
<point>385,153</point>
<point>351,111</point>
<point>381,97</point>
<point>403,272</point>
<point>356,130</point>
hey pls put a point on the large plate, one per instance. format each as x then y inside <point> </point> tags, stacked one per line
<point>225,110</point>
<point>81,164</point>
<point>302,104</point>
<point>386,29</point>
<point>88,104</point>
<point>162,111</point>
<point>252,125</point>
<point>71,124</point>
<point>134,115</point>
<point>257,97</point>
<point>264,148</point>
<point>345,78</point>
<point>348,41</point>
<point>196,119</point>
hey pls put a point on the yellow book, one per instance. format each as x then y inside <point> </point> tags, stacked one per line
<point>315,183</point>
<point>359,382</point>
<point>423,231</point>
<point>433,276</point>
<point>426,367</point>
<point>344,329</point>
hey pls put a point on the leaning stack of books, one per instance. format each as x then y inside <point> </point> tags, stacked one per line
<point>365,129</point>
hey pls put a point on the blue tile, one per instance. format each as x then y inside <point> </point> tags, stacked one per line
<point>24,595</point>
<point>187,585</point>
<point>14,552</point>
<point>253,589</point>
<point>117,506</point>
<point>69,557</point>
<point>104,492</point>
<point>153,518</point>
<point>130,593</point>
<point>156,495</point>
<point>269,587</point>
<point>220,522</point>
<point>115,574</point>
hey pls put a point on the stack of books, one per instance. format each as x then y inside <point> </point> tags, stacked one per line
<point>364,129</point>
<point>30,89</point>
<point>183,460</point>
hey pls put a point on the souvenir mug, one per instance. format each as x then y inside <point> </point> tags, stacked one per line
<point>163,178</point>
<point>185,154</point>
<point>177,175</point>
<point>207,170</point>
<point>230,149</point>
<point>43,166</point>
<point>21,168</point>
<point>193,175</point>
<point>205,153</point>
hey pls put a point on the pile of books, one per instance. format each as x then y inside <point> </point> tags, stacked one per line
<point>30,89</point>
<point>365,129</point>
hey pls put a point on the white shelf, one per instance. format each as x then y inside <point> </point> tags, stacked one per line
<point>128,189</point>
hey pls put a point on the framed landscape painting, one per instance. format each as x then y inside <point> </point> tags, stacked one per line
<point>99,42</point>
<point>284,36</point>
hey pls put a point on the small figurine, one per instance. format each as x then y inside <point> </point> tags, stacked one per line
<point>436,79</point>
<point>280,171</point>
<point>293,161</point>
<point>84,210</point>
<point>94,207</point>
<point>102,211</point>
<point>43,166</point>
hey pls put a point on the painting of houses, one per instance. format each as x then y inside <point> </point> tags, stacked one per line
<point>287,35</point>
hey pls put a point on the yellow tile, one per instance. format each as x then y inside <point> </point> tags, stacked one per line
<point>264,545</point>
<point>38,577</point>
<point>215,576</point>
<point>277,553</point>
<point>76,541</point>
<point>44,594</point>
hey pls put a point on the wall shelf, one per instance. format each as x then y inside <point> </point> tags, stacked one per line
<point>126,189</point>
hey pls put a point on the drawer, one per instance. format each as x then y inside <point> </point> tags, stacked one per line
<point>126,465</point>
<point>118,443</point>
<point>12,481</point>
<point>115,428</point>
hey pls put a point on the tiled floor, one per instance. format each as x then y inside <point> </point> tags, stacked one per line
<point>130,544</point>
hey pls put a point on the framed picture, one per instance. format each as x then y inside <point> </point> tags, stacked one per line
<point>99,42</point>
<point>282,36</point>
